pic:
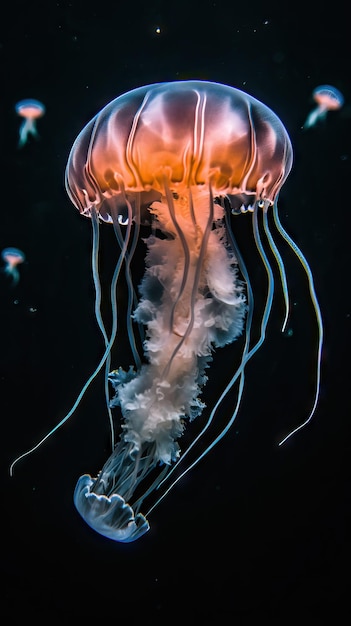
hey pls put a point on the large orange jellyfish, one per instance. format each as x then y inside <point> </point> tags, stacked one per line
<point>183,157</point>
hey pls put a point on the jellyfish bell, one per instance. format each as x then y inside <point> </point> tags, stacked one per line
<point>182,157</point>
<point>12,257</point>
<point>30,110</point>
<point>328,98</point>
<point>192,133</point>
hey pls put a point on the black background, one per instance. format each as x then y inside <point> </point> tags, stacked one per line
<point>255,530</point>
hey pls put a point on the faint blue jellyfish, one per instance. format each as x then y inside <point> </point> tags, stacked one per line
<point>12,258</point>
<point>31,110</point>
<point>328,98</point>
<point>180,159</point>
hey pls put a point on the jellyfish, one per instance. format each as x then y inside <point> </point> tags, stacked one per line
<point>31,110</point>
<point>328,98</point>
<point>12,258</point>
<point>181,160</point>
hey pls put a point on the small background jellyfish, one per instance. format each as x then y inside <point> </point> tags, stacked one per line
<point>30,110</point>
<point>328,98</point>
<point>12,257</point>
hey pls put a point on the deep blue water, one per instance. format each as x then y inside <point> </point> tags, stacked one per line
<point>255,530</point>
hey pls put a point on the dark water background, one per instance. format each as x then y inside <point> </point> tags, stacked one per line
<point>255,531</point>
